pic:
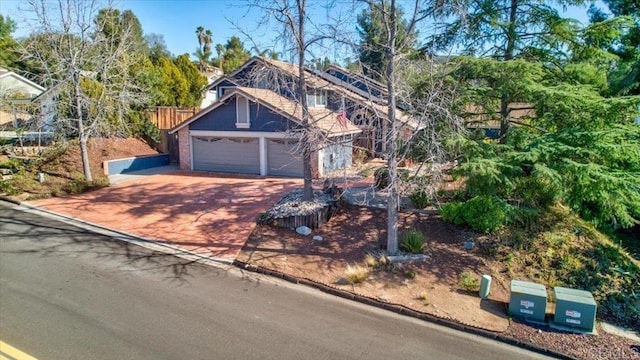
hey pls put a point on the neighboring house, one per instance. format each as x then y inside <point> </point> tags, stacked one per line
<point>16,96</point>
<point>477,119</point>
<point>210,96</point>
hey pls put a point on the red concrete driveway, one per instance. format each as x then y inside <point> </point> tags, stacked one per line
<point>209,214</point>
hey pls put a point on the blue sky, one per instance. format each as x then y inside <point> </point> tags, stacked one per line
<point>177,20</point>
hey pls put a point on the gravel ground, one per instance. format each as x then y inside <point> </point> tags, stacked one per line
<point>602,346</point>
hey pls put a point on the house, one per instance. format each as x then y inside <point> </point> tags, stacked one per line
<point>16,94</point>
<point>478,119</point>
<point>362,100</point>
<point>254,126</point>
<point>257,131</point>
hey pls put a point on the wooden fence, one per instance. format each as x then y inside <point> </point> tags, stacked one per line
<point>166,118</point>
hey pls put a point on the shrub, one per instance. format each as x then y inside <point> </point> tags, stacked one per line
<point>420,199</point>
<point>10,164</point>
<point>481,213</point>
<point>79,185</point>
<point>452,213</point>
<point>370,261</point>
<point>469,282</point>
<point>412,242</point>
<point>356,274</point>
<point>381,178</point>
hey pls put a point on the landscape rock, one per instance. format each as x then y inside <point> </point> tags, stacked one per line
<point>317,238</point>
<point>303,230</point>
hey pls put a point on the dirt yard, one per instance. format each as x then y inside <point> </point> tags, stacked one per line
<point>430,286</point>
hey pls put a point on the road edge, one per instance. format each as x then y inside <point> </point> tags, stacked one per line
<point>402,310</point>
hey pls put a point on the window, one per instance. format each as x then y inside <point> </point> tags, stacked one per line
<point>242,112</point>
<point>317,98</point>
<point>222,90</point>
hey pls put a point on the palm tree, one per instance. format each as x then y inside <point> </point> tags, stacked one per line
<point>208,35</point>
<point>203,59</point>
<point>220,50</point>
<point>200,33</point>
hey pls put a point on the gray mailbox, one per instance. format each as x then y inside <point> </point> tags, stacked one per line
<point>575,309</point>
<point>528,300</point>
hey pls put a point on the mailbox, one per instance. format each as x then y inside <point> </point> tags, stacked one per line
<point>575,309</point>
<point>528,300</point>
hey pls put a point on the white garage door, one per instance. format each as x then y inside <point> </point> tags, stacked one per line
<point>232,155</point>
<point>283,158</point>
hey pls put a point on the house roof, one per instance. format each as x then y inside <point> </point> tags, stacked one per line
<point>4,73</point>
<point>480,118</point>
<point>362,78</point>
<point>320,82</point>
<point>324,119</point>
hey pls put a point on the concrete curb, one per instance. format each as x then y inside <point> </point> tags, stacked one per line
<point>403,310</point>
<point>10,200</point>
<point>124,236</point>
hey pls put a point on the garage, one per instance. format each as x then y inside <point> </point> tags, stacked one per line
<point>226,154</point>
<point>283,158</point>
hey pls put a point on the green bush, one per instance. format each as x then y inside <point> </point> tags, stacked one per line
<point>469,282</point>
<point>481,213</point>
<point>79,185</point>
<point>420,199</point>
<point>412,242</point>
<point>10,164</point>
<point>452,213</point>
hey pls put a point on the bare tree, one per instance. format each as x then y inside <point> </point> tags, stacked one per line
<point>293,19</point>
<point>431,113</point>
<point>85,65</point>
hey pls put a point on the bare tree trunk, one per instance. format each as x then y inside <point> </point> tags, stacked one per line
<point>82,135</point>
<point>306,152</point>
<point>392,162</point>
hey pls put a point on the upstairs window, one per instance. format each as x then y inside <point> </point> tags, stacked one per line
<point>242,112</point>
<point>317,98</point>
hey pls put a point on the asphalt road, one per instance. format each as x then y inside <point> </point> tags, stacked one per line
<point>69,293</point>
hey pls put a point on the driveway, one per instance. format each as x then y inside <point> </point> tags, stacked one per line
<point>209,214</point>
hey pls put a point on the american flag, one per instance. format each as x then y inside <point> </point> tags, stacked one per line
<point>342,119</point>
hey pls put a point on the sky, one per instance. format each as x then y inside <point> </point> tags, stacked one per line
<point>177,21</point>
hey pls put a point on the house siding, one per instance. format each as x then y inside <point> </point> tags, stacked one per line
<point>223,118</point>
<point>338,154</point>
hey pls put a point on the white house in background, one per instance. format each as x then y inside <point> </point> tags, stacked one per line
<point>16,93</point>
<point>210,96</point>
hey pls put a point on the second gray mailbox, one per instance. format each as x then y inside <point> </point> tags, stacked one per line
<point>528,300</point>
<point>575,308</point>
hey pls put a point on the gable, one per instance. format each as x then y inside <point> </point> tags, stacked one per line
<point>14,84</point>
<point>261,118</point>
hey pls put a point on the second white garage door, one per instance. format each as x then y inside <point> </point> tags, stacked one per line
<point>232,155</point>
<point>283,158</point>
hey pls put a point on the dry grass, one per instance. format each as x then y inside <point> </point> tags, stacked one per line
<point>371,261</point>
<point>356,274</point>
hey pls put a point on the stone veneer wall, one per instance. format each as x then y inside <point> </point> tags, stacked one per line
<point>184,148</point>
